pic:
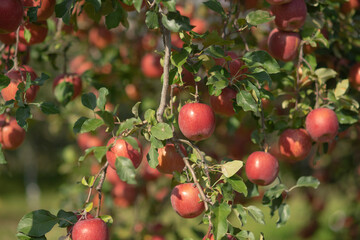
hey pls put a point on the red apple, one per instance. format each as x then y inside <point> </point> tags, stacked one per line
<point>38,31</point>
<point>79,216</point>
<point>100,37</point>
<point>294,144</point>
<point>196,121</point>
<point>94,229</point>
<point>175,40</point>
<point>132,92</point>
<point>11,15</point>
<point>283,45</point>
<point>185,200</point>
<point>80,64</point>
<point>354,76</point>
<point>200,25</point>
<point>147,172</point>
<point>290,16</point>
<point>16,77</point>
<point>223,104</point>
<point>322,124</point>
<point>87,140</point>
<point>186,11</point>
<point>112,176</point>
<point>72,78</point>
<point>234,66</point>
<point>124,194</point>
<point>45,10</point>
<point>170,160</point>
<point>261,168</point>
<point>11,134</point>
<point>121,148</point>
<point>150,65</point>
<point>149,42</point>
<point>347,6</point>
<point>278,2</point>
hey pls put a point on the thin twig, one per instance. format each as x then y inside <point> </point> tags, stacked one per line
<point>99,187</point>
<point>16,61</point>
<point>96,176</point>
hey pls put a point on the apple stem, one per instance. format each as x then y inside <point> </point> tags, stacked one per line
<point>196,92</point>
<point>16,62</point>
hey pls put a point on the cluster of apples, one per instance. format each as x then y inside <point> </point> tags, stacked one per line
<point>284,40</point>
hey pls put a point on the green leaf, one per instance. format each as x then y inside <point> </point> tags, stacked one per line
<point>66,218</point>
<point>101,101</point>
<point>153,156</point>
<point>119,15</point>
<point>32,14</point>
<point>132,141</point>
<point>215,51</point>
<point>64,92</point>
<point>256,214</point>
<point>219,220</point>
<point>261,59</point>
<point>214,38</point>
<point>89,206</point>
<point>149,116</point>
<point>284,215</point>
<point>175,22</point>
<point>49,108</point>
<point>341,88</point>
<point>22,115</point>
<point>107,219</point>
<point>21,236</point>
<point>4,82</point>
<point>151,20</point>
<point>108,119</point>
<point>27,35</point>
<point>325,74</point>
<point>125,170</point>
<point>245,100</point>
<point>128,124</point>
<point>308,181</point>
<point>258,17</point>
<point>216,7</point>
<point>95,3</point>
<point>89,100</point>
<point>273,193</point>
<point>230,168</point>
<point>347,117</point>
<point>179,58</point>
<point>162,131</point>
<point>245,235</point>
<point>234,219</point>
<point>2,157</point>
<point>238,184</point>
<point>135,109</point>
<point>37,223</point>
<point>78,124</point>
<point>62,8</point>
<point>91,125</point>
<point>138,4</point>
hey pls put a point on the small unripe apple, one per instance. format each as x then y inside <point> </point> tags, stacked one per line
<point>283,45</point>
<point>124,194</point>
<point>11,134</point>
<point>354,76</point>
<point>278,2</point>
<point>94,229</point>
<point>290,16</point>
<point>185,200</point>
<point>121,148</point>
<point>196,121</point>
<point>150,65</point>
<point>261,168</point>
<point>170,160</point>
<point>17,77</point>
<point>322,124</point>
<point>223,104</point>
<point>45,10</point>
<point>70,78</point>
<point>294,144</point>
<point>11,15</point>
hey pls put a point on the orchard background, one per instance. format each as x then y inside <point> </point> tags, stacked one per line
<point>130,66</point>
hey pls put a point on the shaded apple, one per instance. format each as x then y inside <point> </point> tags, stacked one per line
<point>11,15</point>
<point>80,64</point>
<point>150,65</point>
<point>100,37</point>
<point>149,41</point>
<point>223,104</point>
<point>38,32</point>
<point>261,168</point>
<point>350,5</point>
<point>124,195</point>
<point>88,140</point>
<point>294,144</point>
<point>45,8</point>
<point>278,2</point>
<point>94,229</point>
<point>72,78</point>
<point>234,66</point>
<point>283,45</point>
<point>200,25</point>
<point>290,16</point>
<point>11,134</point>
<point>354,76</point>
<point>170,160</point>
<point>322,124</point>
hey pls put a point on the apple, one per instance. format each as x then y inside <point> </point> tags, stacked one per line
<point>100,37</point>
<point>87,140</point>
<point>186,11</point>
<point>234,66</point>
<point>283,45</point>
<point>170,160</point>
<point>354,76</point>
<point>80,64</point>
<point>38,31</point>
<point>111,176</point>
<point>196,121</point>
<point>147,172</point>
<point>79,216</point>
<point>250,4</point>
<point>150,65</point>
<point>261,168</point>
<point>347,6</point>
<point>185,200</point>
<point>176,40</point>
<point>294,144</point>
<point>132,92</point>
<point>121,148</point>
<point>322,124</point>
<point>200,25</point>
<point>72,78</point>
<point>290,16</point>
<point>17,77</point>
<point>149,42</point>
<point>45,10</point>
<point>223,104</point>
<point>94,229</point>
<point>124,194</point>
<point>11,15</point>
<point>278,2</point>
<point>11,134</point>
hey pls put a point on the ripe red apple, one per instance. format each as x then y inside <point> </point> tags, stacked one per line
<point>45,10</point>
<point>70,78</point>
<point>11,134</point>
<point>283,45</point>
<point>185,200</point>
<point>354,76</point>
<point>87,140</point>
<point>290,16</point>
<point>234,66</point>
<point>347,6</point>
<point>200,25</point>
<point>186,11</point>
<point>150,65</point>
<point>132,92</point>
<point>79,216</point>
<point>80,64</point>
<point>111,176</point>
<point>147,172</point>
<point>16,77</point>
<point>278,2</point>
<point>223,104</point>
<point>124,194</point>
<point>170,160</point>
<point>100,37</point>
<point>294,144</point>
<point>94,229</point>
<point>38,31</point>
<point>322,124</point>
<point>121,148</point>
<point>11,15</point>
<point>261,168</point>
<point>196,121</point>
